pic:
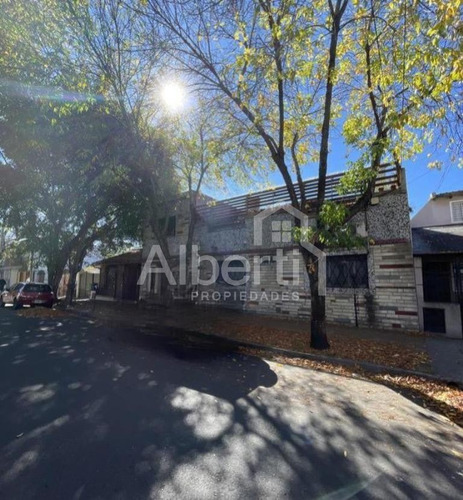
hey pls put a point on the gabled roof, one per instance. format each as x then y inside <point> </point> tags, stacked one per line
<point>90,270</point>
<point>437,240</point>
<point>449,194</point>
<point>130,257</point>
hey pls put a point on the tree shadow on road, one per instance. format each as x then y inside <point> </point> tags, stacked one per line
<point>92,412</point>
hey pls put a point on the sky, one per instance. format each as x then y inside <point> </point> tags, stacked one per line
<point>421,180</point>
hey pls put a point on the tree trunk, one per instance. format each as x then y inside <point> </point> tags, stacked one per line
<point>160,237</point>
<point>318,336</point>
<point>71,285</point>
<point>189,247</point>
<point>75,264</point>
<point>55,273</point>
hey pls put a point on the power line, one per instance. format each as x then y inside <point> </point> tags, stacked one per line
<point>444,173</point>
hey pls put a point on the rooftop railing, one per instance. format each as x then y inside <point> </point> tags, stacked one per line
<point>235,209</point>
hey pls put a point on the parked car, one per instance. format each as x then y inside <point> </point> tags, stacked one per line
<point>7,295</point>
<point>28,294</point>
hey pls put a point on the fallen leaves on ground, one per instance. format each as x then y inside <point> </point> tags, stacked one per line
<point>289,335</point>
<point>439,396</point>
<point>442,397</point>
<point>383,353</point>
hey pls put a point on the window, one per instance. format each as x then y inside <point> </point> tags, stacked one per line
<point>436,281</point>
<point>347,271</point>
<point>281,231</point>
<point>168,225</point>
<point>456,209</point>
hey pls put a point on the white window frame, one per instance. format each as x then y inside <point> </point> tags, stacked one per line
<point>451,210</point>
<point>281,231</point>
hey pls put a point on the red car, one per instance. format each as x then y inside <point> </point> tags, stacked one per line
<point>28,294</point>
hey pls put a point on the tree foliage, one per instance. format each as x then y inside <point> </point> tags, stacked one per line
<point>66,191</point>
<point>275,75</point>
<point>382,72</point>
<point>112,39</point>
<point>81,158</point>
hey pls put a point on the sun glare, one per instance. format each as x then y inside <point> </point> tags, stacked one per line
<point>173,96</point>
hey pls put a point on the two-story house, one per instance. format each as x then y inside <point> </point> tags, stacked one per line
<point>15,270</point>
<point>372,284</point>
<point>438,250</point>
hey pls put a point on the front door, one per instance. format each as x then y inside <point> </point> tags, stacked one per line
<point>111,281</point>
<point>130,287</point>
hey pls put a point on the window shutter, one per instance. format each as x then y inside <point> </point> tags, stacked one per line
<point>457,211</point>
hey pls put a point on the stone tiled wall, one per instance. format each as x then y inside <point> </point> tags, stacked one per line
<point>289,298</point>
<point>389,217</point>
<point>389,301</point>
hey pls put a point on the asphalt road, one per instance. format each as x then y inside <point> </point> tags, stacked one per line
<point>89,412</point>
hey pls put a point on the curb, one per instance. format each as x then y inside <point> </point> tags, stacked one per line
<point>230,343</point>
<point>371,367</point>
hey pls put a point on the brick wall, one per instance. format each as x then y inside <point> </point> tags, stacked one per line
<point>395,288</point>
<point>389,302</point>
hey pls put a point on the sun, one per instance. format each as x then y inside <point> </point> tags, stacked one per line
<point>173,96</point>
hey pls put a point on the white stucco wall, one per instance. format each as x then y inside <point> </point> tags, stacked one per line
<point>436,212</point>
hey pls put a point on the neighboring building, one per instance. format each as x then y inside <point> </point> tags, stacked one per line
<point>85,280</point>
<point>13,271</point>
<point>372,285</point>
<point>119,276</point>
<point>438,250</point>
<point>18,270</point>
<point>40,275</point>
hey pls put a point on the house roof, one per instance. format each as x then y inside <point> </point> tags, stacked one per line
<point>130,257</point>
<point>449,194</point>
<point>90,270</point>
<point>437,240</point>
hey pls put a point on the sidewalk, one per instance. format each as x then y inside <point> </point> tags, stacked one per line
<point>446,357</point>
<point>381,347</point>
<point>181,314</point>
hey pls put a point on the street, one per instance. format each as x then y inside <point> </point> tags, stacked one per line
<point>92,412</point>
